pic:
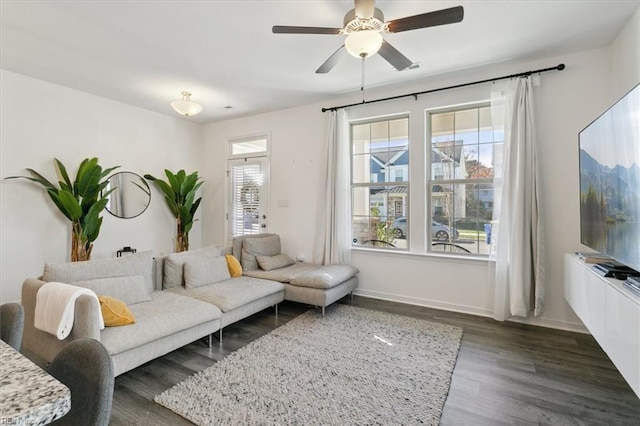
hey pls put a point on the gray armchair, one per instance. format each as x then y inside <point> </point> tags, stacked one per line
<point>12,324</point>
<point>86,368</point>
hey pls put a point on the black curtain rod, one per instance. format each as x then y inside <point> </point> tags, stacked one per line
<point>560,67</point>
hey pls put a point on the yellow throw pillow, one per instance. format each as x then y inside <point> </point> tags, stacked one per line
<point>115,312</point>
<point>235,269</point>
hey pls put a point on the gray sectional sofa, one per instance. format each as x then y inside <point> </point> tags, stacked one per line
<point>180,298</point>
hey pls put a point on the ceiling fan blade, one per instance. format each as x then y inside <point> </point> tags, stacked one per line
<point>332,61</point>
<point>283,29</point>
<point>365,8</point>
<point>393,56</point>
<point>429,19</point>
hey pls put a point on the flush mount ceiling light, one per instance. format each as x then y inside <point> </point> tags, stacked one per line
<point>363,43</point>
<point>186,106</point>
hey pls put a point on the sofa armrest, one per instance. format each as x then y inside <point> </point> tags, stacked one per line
<point>86,323</point>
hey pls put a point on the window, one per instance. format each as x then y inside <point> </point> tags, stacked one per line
<point>379,182</point>
<point>249,147</point>
<point>246,189</point>
<point>464,146</point>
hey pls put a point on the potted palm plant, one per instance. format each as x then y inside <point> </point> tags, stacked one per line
<point>81,201</point>
<point>179,192</point>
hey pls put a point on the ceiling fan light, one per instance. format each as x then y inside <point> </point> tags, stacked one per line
<point>185,106</point>
<point>363,43</point>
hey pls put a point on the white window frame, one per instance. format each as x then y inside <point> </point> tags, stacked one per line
<point>249,138</point>
<point>436,181</point>
<point>407,183</point>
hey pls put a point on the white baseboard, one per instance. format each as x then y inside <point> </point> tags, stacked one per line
<point>472,310</point>
<point>424,302</point>
<point>551,323</point>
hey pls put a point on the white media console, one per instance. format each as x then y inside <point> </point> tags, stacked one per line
<point>611,313</point>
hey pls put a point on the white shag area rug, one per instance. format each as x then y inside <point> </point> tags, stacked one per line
<point>355,366</point>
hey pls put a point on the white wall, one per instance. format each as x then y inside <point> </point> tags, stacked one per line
<point>568,101</point>
<point>625,59</point>
<point>297,153</point>
<point>41,121</point>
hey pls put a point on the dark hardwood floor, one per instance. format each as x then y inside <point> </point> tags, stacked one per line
<point>506,373</point>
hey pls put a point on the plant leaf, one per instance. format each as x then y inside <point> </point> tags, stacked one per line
<point>195,206</point>
<point>189,183</point>
<point>173,181</point>
<point>63,172</point>
<point>53,194</point>
<point>181,175</point>
<point>106,172</point>
<point>69,203</point>
<point>44,183</point>
<point>94,230</point>
<point>88,180</point>
<point>173,207</point>
<point>188,200</point>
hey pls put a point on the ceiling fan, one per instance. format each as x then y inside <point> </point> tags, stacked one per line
<point>364,26</point>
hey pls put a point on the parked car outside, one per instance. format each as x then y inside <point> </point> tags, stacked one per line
<point>439,231</point>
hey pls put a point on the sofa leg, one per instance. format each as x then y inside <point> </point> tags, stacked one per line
<point>210,340</point>
<point>276,309</point>
<point>351,295</point>
<point>220,334</point>
<point>323,312</point>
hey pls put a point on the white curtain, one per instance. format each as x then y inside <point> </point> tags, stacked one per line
<point>334,233</point>
<point>517,233</point>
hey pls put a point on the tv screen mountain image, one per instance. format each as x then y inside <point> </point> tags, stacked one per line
<point>610,181</point>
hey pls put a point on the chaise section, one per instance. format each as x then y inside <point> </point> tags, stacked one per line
<point>321,297</point>
<point>283,275</point>
<point>319,285</point>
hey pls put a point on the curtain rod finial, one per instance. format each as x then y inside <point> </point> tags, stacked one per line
<point>560,67</point>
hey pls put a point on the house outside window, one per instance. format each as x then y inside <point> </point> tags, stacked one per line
<point>464,148</point>
<point>379,182</point>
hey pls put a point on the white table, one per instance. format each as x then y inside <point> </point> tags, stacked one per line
<point>28,394</point>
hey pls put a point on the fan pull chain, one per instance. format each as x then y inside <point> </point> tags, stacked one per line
<point>362,78</point>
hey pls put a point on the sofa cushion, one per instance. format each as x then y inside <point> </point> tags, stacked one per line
<point>167,313</point>
<point>268,263</point>
<point>115,312</point>
<point>134,264</point>
<point>174,264</point>
<point>326,276</point>
<point>236,243</point>
<point>130,290</point>
<point>283,275</point>
<point>252,247</point>
<point>199,271</point>
<point>234,266</point>
<point>234,293</point>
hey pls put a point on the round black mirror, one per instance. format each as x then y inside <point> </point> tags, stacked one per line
<point>130,197</point>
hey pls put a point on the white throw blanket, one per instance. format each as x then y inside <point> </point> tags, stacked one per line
<point>55,305</point>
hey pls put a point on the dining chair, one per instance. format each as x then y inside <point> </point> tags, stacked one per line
<point>86,368</point>
<point>12,324</point>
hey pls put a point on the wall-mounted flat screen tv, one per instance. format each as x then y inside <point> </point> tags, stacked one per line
<point>610,181</point>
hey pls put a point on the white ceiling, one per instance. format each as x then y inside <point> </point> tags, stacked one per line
<point>144,53</point>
